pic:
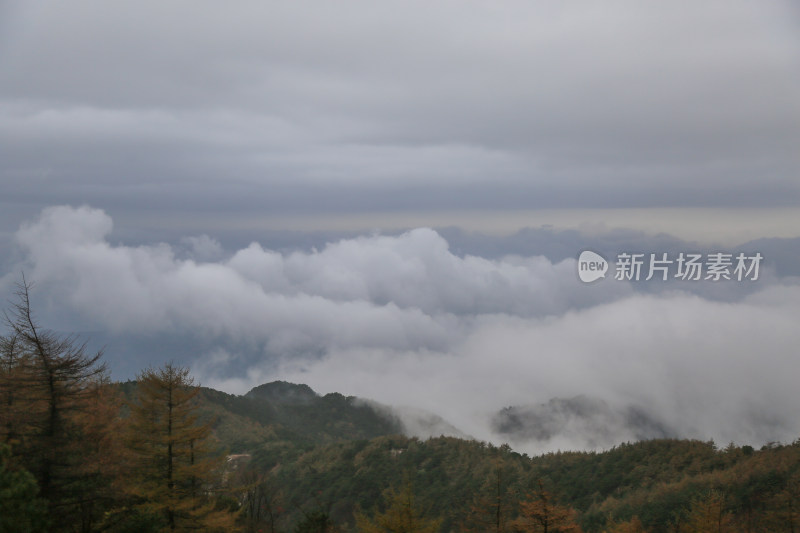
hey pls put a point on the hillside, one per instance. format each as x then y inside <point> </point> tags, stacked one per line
<point>332,455</point>
<point>287,413</point>
<point>658,481</point>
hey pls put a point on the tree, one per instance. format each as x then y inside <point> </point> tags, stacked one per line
<point>260,501</point>
<point>634,525</point>
<point>708,515</point>
<point>20,508</point>
<point>789,501</point>
<point>402,515</point>
<point>173,470</point>
<point>540,513</point>
<point>49,384</point>
<point>491,508</point>
<point>316,522</point>
<point>12,381</point>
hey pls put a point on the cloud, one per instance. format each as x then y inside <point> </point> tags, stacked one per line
<point>404,292</point>
<point>400,105</point>
<point>701,369</point>
<point>404,321</point>
<point>202,119</point>
<point>202,248</point>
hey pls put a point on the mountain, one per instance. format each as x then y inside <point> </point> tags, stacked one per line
<point>295,414</point>
<point>303,454</point>
<point>578,419</point>
<point>667,484</point>
<point>284,393</point>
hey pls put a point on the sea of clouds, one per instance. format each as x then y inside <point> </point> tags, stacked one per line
<point>403,320</point>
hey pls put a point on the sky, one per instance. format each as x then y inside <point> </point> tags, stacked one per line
<point>387,199</point>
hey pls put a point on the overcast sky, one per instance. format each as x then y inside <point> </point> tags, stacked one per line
<point>298,107</point>
<point>387,198</point>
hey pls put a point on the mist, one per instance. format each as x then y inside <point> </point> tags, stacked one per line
<point>402,320</point>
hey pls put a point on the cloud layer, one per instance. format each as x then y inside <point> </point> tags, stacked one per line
<point>193,122</point>
<point>404,321</point>
<point>359,292</point>
<point>282,107</point>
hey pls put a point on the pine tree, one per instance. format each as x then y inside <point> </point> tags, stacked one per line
<point>403,515</point>
<point>173,470</point>
<point>317,521</point>
<point>540,513</point>
<point>491,507</point>
<point>49,385</point>
<point>708,515</point>
<point>13,380</point>
<point>634,525</point>
<point>20,509</point>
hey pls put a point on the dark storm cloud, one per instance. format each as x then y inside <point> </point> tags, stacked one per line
<point>369,106</point>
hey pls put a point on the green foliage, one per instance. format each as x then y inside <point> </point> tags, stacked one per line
<point>315,522</point>
<point>643,486</point>
<point>294,413</point>
<point>307,462</point>
<point>403,514</point>
<point>138,521</point>
<point>21,510</point>
<point>304,467</point>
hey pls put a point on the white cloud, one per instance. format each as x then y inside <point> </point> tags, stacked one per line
<point>404,321</point>
<point>703,369</point>
<point>404,292</point>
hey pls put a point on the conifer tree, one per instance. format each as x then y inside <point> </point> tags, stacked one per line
<point>402,515</point>
<point>173,470</point>
<point>317,521</point>
<point>491,508</point>
<point>20,509</point>
<point>49,384</point>
<point>634,525</point>
<point>708,515</point>
<point>540,513</point>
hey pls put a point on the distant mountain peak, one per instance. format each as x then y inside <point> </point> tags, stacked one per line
<point>587,420</point>
<point>283,392</point>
